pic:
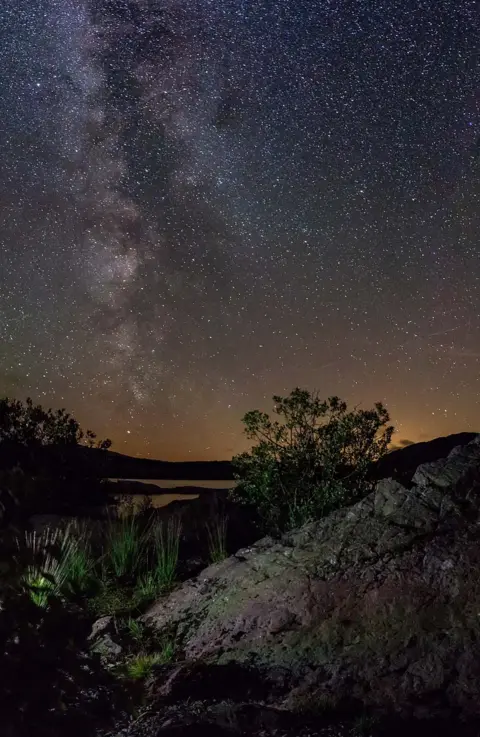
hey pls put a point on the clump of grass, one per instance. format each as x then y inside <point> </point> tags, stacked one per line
<point>51,563</point>
<point>140,666</point>
<point>148,587</point>
<point>217,538</point>
<point>81,575</point>
<point>136,629</point>
<point>139,562</point>
<point>165,553</point>
<point>124,547</point>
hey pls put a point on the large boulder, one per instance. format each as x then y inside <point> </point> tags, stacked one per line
<point>378,605</point>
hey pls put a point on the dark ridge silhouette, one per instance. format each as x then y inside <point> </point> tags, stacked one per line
<point>116,465</point>
<point>92,462</point>
<point>402,463</point>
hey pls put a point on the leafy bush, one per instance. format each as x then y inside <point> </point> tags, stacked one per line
<point>30,425</point>
<point>315,458</point>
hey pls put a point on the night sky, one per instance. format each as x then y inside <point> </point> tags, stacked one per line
<point>203,204</point>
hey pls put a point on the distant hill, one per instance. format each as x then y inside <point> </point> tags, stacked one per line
<point>402,463</point>
<point>117,465</point>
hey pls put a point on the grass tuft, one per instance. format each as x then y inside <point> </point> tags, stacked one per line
<point>140,666</point>
<point>217,538</point>
<point>125,547</point>
<point>136,629</point>
<point>165,554</point>
<point>51,563</point>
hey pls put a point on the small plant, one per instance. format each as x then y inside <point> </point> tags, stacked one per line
<point>217,538</point>
<point>136,629</point>
<point>168,651</point>
<point>165,554</point>
<point>48,558</point>
<point>125,544</point>
<point>148,587</point>
<point>80,565</point>
<point>140,666</point>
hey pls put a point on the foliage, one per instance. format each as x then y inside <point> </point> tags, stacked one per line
<point>314,458</point>
<point>47,568</point>
<point>49,685</point>
<point>136,629</point>
<point>165,552</point>
<point>217,538</point>
<point>43,464</point>
<point>125,547</point>
<point>31,425</point>
<point>139,562</point>
<point>140,666</point>
<point>56,563</point>
<point>81,579</point>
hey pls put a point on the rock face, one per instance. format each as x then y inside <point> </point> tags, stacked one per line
<point>376,606</point>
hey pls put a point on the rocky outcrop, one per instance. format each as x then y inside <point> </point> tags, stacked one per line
<point>376,606</point>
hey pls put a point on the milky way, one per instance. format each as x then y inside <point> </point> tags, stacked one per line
<point>206,203</point>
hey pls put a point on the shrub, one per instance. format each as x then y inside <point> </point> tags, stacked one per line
<point>315,458</point>
<point>30,425</point>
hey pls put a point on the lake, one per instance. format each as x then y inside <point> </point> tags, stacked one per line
<point>161,500</point>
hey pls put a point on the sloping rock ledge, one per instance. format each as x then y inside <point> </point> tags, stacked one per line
<point>375,607</point>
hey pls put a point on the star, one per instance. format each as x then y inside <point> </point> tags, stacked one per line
<point>204,207</point>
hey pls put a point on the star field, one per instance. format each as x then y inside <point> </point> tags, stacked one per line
<point>206,203</point>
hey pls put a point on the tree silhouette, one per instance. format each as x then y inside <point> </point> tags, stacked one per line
<point>44,462</point>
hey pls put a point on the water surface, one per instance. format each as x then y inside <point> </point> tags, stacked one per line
<point>161,500</point>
